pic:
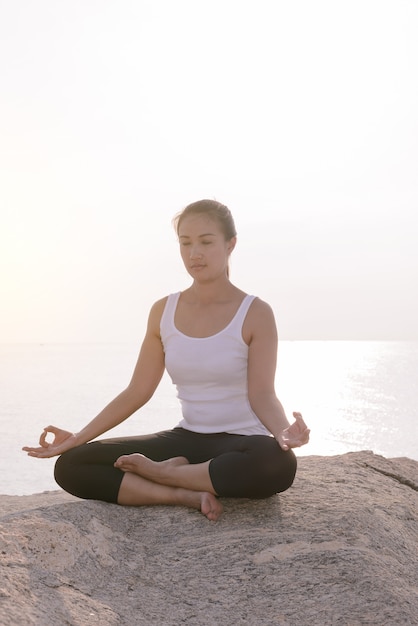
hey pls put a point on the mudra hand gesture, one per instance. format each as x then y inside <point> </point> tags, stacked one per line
<point>296,435</point>
<point>63,441</point>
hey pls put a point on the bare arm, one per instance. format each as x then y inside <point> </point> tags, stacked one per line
<point>261,335</point>
<point>145,379</point>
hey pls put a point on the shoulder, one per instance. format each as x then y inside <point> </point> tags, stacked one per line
<point>158,306</point>
<point>260,321</point>
<point>155,314</point>
<point>260,310</point>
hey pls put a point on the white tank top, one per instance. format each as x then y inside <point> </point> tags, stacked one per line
<point>210,374</point>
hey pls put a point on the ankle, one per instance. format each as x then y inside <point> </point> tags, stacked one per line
<point>187,497</point>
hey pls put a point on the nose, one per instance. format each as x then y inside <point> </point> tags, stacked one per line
<point>195,252</point>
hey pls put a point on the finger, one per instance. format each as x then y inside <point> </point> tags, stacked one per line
<point>42,439</point>
<point>283,442</point>
<point>49,429</point>
<point>52,429</point>
<point>298,417</point>
<point>38,455</point>
<point>32,451</point>
<point>304,438</point>
<point>298,439</point>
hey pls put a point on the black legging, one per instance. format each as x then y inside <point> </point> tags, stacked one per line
<point>241,466</point>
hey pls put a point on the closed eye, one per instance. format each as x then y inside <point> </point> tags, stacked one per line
<point>187,243</point>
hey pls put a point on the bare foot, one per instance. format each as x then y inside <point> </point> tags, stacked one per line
<point>203,501</point>
<point>150,472</point>
<point>210,506</point>
<point>143,466</point>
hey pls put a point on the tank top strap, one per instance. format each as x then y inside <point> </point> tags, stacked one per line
<point>242,312</point>
<point>167,318</point>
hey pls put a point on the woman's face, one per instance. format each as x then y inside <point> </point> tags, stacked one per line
<point>203,247</point>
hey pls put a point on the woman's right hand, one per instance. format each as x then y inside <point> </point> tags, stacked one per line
<point>63,441</point>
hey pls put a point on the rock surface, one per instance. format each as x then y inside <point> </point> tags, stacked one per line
<point>340,547</point>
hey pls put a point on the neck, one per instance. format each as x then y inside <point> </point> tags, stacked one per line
<point>220,289</point>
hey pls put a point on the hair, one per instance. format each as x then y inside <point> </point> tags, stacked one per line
<point>212,209</point>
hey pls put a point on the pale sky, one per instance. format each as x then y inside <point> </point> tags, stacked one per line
<point>301,116</point>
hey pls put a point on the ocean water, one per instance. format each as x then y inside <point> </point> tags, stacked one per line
<point>355,395</point>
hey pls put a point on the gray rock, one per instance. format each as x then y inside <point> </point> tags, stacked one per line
<point>339,548</point>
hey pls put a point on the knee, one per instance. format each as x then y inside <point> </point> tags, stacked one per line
<point>64,472</point>
<point>280,472</point>
<point>60,470</point>
<point>287,471</point>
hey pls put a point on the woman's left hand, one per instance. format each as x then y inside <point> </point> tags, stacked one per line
<point>296,435</point>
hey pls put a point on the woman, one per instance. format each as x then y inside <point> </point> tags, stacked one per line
<point>219,346</point>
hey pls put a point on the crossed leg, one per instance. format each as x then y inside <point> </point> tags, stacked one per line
<point>173,481</point>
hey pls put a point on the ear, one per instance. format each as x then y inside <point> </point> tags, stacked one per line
<point>231,244</point>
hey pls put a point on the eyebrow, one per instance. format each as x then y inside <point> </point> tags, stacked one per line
<point>204,235</point>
